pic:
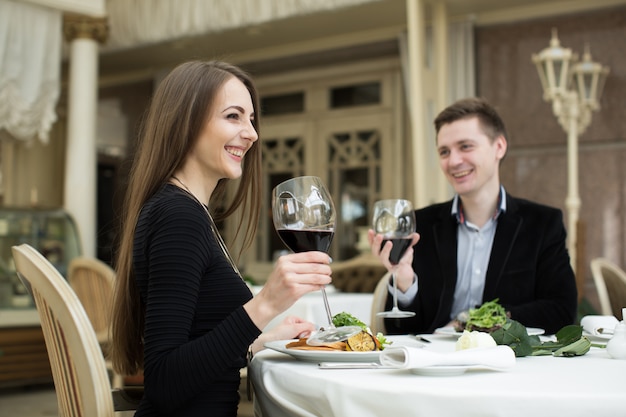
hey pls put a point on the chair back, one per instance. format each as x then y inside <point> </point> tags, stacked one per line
<point>359,274</point>
<point>377,324</point>
<point>610,281</point>
<point>78,367</point>
<point>92,280</point>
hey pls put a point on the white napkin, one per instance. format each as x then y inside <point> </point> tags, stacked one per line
<point>592,323</point>
<point>406,357</point>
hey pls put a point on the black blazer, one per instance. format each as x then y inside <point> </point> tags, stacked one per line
<point>529,268</point>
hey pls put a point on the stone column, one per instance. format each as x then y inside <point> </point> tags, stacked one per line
<point>442,68</point>
<point>83,33</point>
<point>416,46</point>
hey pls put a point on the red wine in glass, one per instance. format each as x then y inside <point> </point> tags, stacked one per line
<point>306,240</point>
<point>400,245</point>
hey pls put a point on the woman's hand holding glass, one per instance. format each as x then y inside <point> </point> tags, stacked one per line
<point>293,276</point>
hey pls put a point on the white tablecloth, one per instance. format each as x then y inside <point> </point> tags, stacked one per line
<point>592,385</point>
<point>311,306</point>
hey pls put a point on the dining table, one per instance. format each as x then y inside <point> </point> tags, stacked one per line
<point>591,385</point>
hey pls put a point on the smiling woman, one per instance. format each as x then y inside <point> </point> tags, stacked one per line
<point>182,312</point>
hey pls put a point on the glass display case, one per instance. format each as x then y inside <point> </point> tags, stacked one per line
<point>23,354</point>
<point>53,232</point>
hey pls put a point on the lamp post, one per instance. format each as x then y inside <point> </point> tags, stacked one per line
<point>574,88</point>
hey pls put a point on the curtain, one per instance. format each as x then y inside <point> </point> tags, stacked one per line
<point>140,22</point>
<point>30,66</point>
<point>461,59</point>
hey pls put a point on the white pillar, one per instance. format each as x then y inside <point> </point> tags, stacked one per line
<point>80,188</point>
<point>442,68</point>
<point>415,25</point>
<point>572,202</point>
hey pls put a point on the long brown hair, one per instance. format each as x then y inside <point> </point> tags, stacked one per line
<point>179,109</point>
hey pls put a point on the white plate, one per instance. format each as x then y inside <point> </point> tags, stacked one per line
<point>323,355</point>
<point>597,337</point>
<point>449,331</point>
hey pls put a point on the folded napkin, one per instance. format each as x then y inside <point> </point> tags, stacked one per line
<point>596,325</point>
<point>406,357</point>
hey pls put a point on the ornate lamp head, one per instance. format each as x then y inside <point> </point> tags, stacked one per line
<point>588,79</point>
<point>561,73</point>
<point>553,65</point>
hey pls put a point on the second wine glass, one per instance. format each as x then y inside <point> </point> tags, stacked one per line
<point>395,220</point>
<point>304,217</point>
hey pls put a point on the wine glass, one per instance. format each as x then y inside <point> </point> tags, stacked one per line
<point>395,220</point>
<point>304,217</point>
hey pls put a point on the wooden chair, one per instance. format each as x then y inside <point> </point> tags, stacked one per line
<point>78,367</point>
<point>610,281</point>
<point>377,324</point>
<point>92,280</point>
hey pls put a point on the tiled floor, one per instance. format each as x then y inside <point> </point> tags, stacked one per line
<point>32,401</point>
<point>40,401</point>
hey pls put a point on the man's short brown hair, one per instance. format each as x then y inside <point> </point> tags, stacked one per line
<point>490,120</point>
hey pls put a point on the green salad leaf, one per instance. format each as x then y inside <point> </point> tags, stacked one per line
<point>347,319</point>
<point>489,315</point>
<point>384,342</point>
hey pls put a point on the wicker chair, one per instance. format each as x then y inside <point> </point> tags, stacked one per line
<point>92,280</point>
<point>78,367</point>
<point>610,281</point>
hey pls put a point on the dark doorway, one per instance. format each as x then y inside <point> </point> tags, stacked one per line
<point>107,207</point>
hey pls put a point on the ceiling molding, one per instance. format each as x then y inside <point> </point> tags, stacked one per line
<point>545,9</point>
<point>318,45</point>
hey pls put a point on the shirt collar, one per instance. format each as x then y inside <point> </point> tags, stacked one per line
<point>457,206</point>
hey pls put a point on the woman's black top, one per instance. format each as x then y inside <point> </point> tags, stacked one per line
<point>196,332</point>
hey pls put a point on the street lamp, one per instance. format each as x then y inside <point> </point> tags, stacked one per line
<point>574,88</point>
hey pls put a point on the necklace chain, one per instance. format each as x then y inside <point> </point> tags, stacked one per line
<point>214,230</point>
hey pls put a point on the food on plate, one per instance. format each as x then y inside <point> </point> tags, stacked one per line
<point>360,342</point>
<point>487,318</point>
<point>364,341</point>
<point>347,319</point>
<point>301,344</point>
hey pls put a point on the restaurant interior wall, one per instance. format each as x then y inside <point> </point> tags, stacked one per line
<point>536,165</point>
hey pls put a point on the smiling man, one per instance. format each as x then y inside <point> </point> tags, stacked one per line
<point>484,243</point>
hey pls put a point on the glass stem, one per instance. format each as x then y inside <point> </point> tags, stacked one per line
<point>395,290</point>
<point>327,307</point>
